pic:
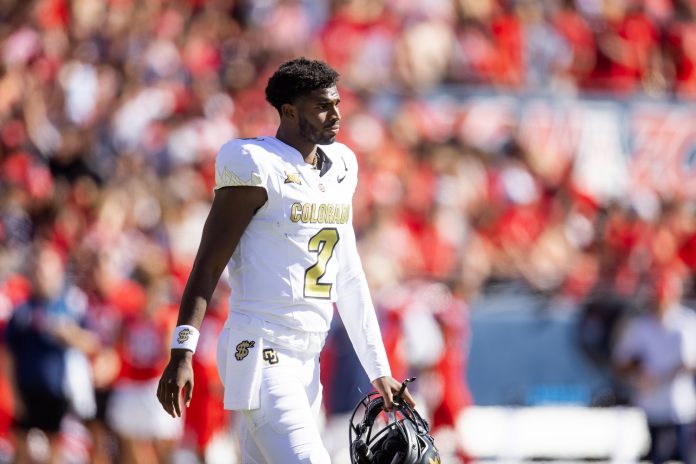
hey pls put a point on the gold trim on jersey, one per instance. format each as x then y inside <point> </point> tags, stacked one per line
<point>322,213</point>
<point>227,178</point>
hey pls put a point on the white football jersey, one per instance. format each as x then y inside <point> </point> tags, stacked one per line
<point>284,269</point>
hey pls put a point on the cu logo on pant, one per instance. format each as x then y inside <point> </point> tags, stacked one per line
<point>270,356</point>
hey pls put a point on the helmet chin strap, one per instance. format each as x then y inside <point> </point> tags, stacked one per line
<point>398,457</point>
<point>364,453</point>
<point>399,396</point>
<point>377,406</point>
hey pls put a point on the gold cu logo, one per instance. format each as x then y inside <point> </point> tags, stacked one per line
<point>243,349</point>
<point>292,178</point>
<point>270,355</point>
<point>183,335</point>
<point>435,461</point>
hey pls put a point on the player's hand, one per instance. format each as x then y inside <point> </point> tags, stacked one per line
<point>177,376</point>
<point>388,387</point>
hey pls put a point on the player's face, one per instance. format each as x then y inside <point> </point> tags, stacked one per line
<point>318,116</point>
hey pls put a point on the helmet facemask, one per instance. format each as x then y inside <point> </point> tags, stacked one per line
<point>398,437</point>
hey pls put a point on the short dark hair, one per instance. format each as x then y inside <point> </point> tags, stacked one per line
<point>298,77</point>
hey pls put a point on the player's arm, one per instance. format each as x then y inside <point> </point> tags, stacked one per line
<point>229,216</point>
<point>358,315</point>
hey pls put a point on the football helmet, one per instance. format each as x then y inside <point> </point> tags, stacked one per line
<point>397,437</point>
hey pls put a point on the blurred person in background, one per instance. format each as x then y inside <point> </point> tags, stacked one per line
<point>47,348</point>
<point>13,292</point>
<point>680,36</point>
<point>628,53</point>
<point>656,354</point>
<point>146,434</point>
<point>575,31</point>
<point>103,318</point>
<point>281,221</point>
<point>428,329</point>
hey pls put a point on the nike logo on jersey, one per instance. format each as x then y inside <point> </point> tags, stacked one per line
<point>339,178</point>
<point>292,178</point>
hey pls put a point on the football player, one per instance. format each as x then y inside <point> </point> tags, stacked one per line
<point>281,222</point>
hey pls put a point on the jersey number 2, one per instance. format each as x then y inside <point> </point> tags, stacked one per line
<point>323,243</point>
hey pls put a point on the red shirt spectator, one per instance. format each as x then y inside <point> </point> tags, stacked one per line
<point>507,33</point>
<point>475,57</point>
<point>144,345</point>
<point>627,50</point>
<point>575,30</point>
<point>680,38</point>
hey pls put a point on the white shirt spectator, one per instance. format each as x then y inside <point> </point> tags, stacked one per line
<point>666,352</point>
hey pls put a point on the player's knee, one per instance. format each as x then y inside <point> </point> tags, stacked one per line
<point>321,456</point>
<point>315,455</point>
<point>302,446</point>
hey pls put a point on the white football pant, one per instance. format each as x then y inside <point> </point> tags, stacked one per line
<point>284,429</point>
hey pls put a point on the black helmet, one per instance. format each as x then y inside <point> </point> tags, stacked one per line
<point>401,437</point>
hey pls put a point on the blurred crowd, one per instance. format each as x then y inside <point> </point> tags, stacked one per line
<point>112,111</point>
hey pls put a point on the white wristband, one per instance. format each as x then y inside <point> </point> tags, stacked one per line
<point>185,337</point>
